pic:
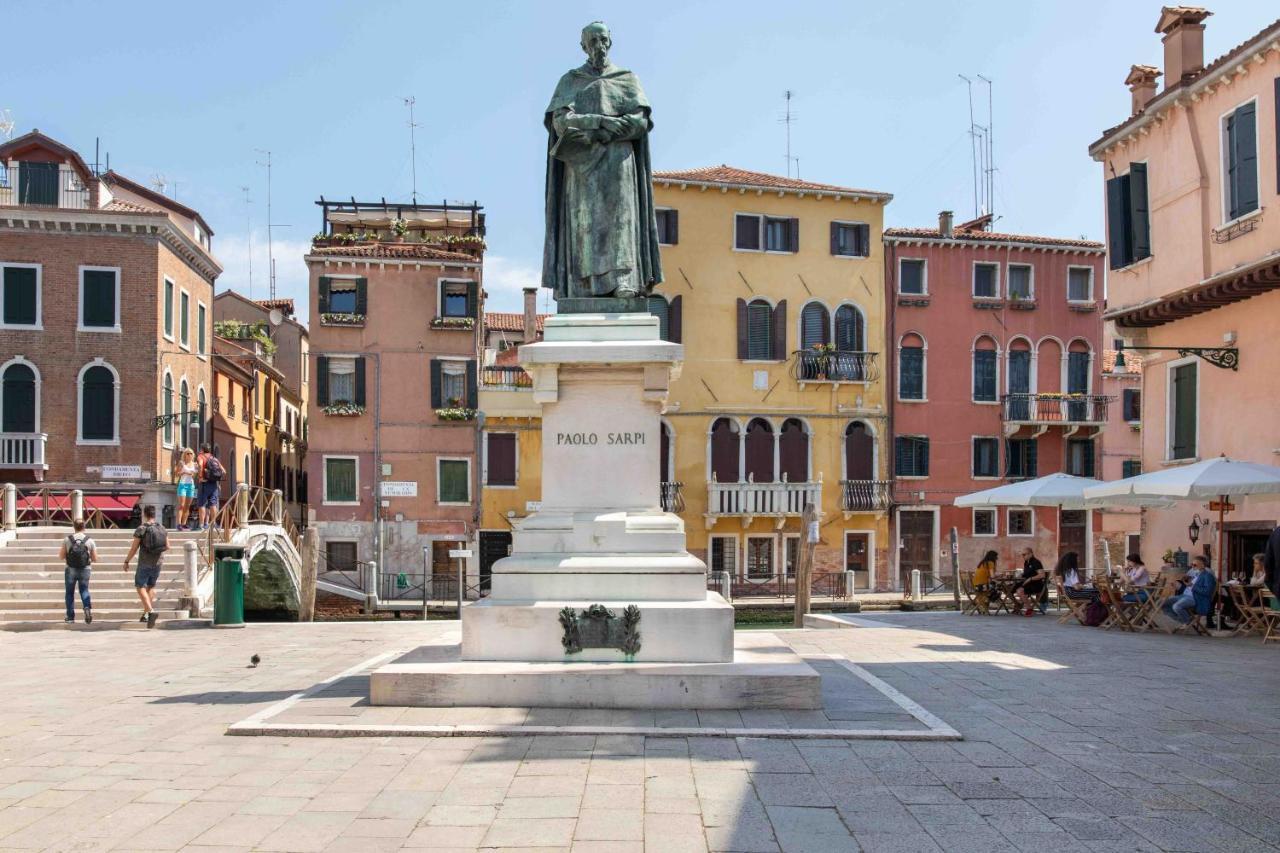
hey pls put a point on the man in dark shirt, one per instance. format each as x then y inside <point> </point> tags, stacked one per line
<point>1031,587</point>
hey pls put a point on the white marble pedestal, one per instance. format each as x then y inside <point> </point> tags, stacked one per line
<point>601,537</point>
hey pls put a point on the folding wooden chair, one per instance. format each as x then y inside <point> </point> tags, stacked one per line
<point>1074,606</point>
<point>1248,602</point>
<point>971,603</point>
<point>1270,615</point>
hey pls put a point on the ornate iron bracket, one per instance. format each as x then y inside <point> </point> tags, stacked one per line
<point>1227,358</point>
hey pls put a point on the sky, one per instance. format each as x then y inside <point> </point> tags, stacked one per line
<point>193,95</point>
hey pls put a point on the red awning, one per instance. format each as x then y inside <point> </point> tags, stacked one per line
<point>107,504</point>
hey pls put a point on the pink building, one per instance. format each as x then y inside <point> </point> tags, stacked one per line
<point>1122,451</point>
<point>1193,223</point>
<point>994,343</point>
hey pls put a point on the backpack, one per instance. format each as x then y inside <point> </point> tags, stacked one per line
<point>1095,614</point>
<point>154,539</point>
<point>78,552</point>
<point>213,470</point>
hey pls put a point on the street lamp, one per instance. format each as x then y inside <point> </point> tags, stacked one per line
<point>1193,529</point>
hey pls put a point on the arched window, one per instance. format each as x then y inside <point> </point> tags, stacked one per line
<point>18,405</point>
<point>911,367</point>
<point>724,451</point>
<point>793,451</point>
<point>1018,380</point>
<point>201,404</point>
<point>859,452</point>
<point>815,325</point>
<point>849,331</point>
<point>168,409</point>
<point>759,451</point>
<point>1079,363</point>
<point>184,409</point>
<point>99,404</point>
<point>658,307</point>
<point>760,331</point>
<point>984,370</point>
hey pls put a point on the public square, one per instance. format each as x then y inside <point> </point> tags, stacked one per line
<point>1073,739</point>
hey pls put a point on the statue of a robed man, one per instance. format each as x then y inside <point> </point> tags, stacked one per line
<point>602,237</point>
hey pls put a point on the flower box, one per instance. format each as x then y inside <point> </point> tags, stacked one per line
<point>1083,307</point>
<point>464,323</point>
<point>456,414</point>
<point>914,301</point>
<point>988,304</point>
<point>1022,304</point>
<point>331,319</point>
<point>343,409</point>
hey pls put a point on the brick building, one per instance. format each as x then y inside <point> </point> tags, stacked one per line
<point>108,289</point>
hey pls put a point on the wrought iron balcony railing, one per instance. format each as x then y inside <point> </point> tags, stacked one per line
<point>1053,409</point>
<point>865,495</point>
<point>505,377</point>
<point>672,496</point>
<point>820,365</point>
<point>42,185</point>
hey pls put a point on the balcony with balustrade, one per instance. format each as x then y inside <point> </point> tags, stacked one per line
<point>39,184</point>
<point>506,391</point>
<point>751,500</point>
<point>865,496</point>
<point>24,451</point>
<point>1040,412</point>
<point>824,365</point>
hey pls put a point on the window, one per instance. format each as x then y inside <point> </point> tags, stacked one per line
<point>851,239</point>
<point>341,480</point>
<point>1021,458</point>
<point>668,221</point>
<point>793,451</point>
<point>340,556</point>
<point>986,281</point>
<point>759,557</point>
<point>453,481</point>
<point>815,325</point>
<point>1130,468</point>
<point>984,371</point>
<point>1080,457</point>
<point>342,297</point>
<point>168,309</point>
<point>342,380</point>
<point>911,456</point>
<point>99,299</point>
<point>911,368</point>
<point>1128,217</point>
<point>753,233</point>
<point>912,280</point>
<point>1132,405</point>
<point>849,334</point>
<point>1080,284</point>
<point>760,331</point>
<point>722,552</point>
<point>790,554</point>
<point>168,409</point>
<point>457,298</point>
<point>184,320</point>
<point>184,407</point>
<point>38,183</point>
<point>201,320</point>
<point>99,414</point>
<point>450,389</point>
<point>725,460</point>
<point>1240,161</point>
<point>984,522</point>
<point>1183,414</point>
<point>986,456</point>
<point>500,459</point>
<point>759,451</point>
<point>1020,282</point>
<point>658,307</point>
<point>21,297</point>
<point>1020,522</point>
<point>19,402</point>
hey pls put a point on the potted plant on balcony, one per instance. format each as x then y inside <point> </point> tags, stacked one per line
<point>455,411</point>
<point>400,228</point>
<point>343,409</point>
<point>453,323</point>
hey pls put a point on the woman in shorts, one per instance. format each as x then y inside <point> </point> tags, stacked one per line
<point>185,471</point>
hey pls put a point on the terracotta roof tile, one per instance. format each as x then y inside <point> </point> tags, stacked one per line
<point>733,176</point>
<point>991,237</point>
<point>117,205</point>
<point>503,321</point>
<point>285,305</point>
<point>392,250</point>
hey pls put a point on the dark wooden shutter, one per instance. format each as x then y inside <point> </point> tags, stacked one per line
<point>1184,411</point>
<point>1244,160</point>
<point>742,329</point>
<point>778,346</point>
<point>322,381</point>
<point>473,299</point>
<point>99,298</point>
<point>98,405</point>
<point>793,452</point>
<point>859,453</point>
<point>815,325</point>
<point>793,234</point>
<point>362,296</point>
<point>19,401</point>
<point>360,386</point>
<point>759,452</point>
<point>1132,404</point>
<point>675,326</point>
<point>1139,212</point>
<point>1077,373</point>
<point>835,238</point>
<point>472,396</point>
<point>984,374</point>
<point>436,380</point>
<point>323,301</point>
<point>724,452</point>
<point>501,460</point>
<point>746,232</point>
<point>1087,469</point>
<point>19,296</point>
<point>673,227</point>
<point>848,329</point>
<point>863,242</point>
<point>1117,222</point>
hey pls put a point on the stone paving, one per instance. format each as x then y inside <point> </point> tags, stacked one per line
<point>1075,740</point>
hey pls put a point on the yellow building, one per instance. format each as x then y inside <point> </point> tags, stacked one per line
<point>775,287</point>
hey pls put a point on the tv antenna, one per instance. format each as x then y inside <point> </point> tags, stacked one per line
<point>413,151</point>
<point>271,226</point>
<point>248,228</point>
<point>982,153</point>
<point>6,124</point>
<point>789,118</point>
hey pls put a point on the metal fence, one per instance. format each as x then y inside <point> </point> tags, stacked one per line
<point>824,585</point>
<point>42,185</point>
<point>505,377</point>
<point>865,495</point>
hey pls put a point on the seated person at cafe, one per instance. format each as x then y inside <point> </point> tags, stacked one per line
<point>1135,573</point>
<point>1031,587</point>
<point>982,579</point>
<point>1182,604</point>
<point>1259,570</point>
<point>1073,583</point>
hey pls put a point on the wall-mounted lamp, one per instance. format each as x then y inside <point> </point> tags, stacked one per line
<point>1193,529</point>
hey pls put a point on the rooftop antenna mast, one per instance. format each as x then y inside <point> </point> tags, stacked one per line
<point>271,257</point>
<point>789,118</point>
<point>413,150</point>
<point>248,227</point>
<point>973,146</point>
<point>991,151</point>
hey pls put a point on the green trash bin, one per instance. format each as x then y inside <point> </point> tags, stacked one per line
<point>230,568</point>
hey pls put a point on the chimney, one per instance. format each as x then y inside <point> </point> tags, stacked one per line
<point>945,219</point>
<point>1142,86</point>
<point>530,327</point>
<point>1183,41</point>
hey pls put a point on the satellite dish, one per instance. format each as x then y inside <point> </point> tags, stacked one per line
<point>276,317</point>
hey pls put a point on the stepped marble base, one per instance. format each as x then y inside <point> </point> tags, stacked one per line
<point>764,673</point>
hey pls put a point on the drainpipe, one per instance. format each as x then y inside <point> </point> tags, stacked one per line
<point>890,397</point>
<point>377,458</point>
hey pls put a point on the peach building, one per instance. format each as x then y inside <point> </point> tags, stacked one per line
<point>1193,229</point>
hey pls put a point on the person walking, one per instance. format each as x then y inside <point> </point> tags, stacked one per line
<point>149,543</point>
<point>186,471</point>
<point>209,495</point>
<point>78,554</point>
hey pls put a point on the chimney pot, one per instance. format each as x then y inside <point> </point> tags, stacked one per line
<point>1142,86</point>
<point>530,326</point>
<point>1183,31</point>
<point>945,224</point>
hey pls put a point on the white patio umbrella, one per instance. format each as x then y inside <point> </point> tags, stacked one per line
<point>1217,479</point>
<point>1063,491</point>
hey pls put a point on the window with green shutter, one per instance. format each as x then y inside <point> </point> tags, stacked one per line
<point>97,404</point>
<point>184,319</point>
<point>1240,155</point>
<point>454,485</point>
<point>168,308</point>
<point>1183,416</point>
<point>98,299</point>
<point>201,320</point>
<point>911,456</point>
<point>18,403</point>
<point>340,484</point>
<point>21,299</point>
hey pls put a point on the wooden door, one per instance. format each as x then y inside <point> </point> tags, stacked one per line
<point>494,545</point>
<point>857,559</point>
<point>1073,534</point>
<point>915,530</point>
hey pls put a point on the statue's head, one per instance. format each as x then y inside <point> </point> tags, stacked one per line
<point>596,43</point>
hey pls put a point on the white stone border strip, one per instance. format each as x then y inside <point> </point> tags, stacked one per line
<point>258,725</point>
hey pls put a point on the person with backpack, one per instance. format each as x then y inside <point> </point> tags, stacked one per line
<point>149,543</point>
<point>78,554</point>
<point>211,475</point>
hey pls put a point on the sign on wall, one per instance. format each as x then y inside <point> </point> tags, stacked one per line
<point>399,488</point>
<point>121,472</point>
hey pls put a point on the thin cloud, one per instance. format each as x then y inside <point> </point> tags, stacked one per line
<point>291,273</point>
<point>505,280</point>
